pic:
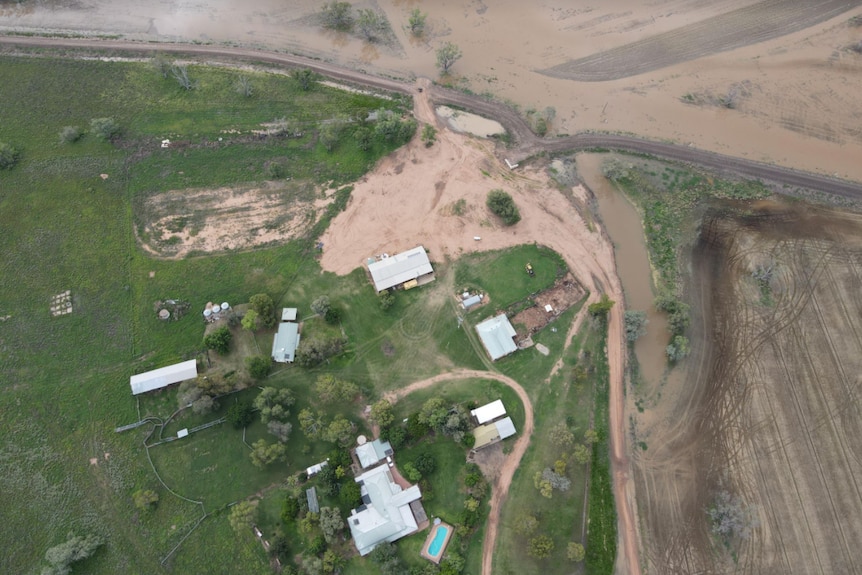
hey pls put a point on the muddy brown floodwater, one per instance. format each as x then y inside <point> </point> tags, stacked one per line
<point>623,224</point>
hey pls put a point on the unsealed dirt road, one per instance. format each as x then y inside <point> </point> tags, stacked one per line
<point>501,487</point>
<point>527,143</point>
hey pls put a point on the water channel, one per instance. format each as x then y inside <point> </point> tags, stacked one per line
<point>624,226</point>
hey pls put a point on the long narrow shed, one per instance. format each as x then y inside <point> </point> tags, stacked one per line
<point>163,377</point>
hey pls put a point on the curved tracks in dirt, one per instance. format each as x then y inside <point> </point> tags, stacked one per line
<point>501,488</point>
<point>527,144</point>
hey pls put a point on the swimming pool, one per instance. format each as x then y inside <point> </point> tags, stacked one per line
<point>436,546</point>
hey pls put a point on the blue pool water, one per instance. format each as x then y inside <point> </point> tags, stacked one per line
<point>439,537</point>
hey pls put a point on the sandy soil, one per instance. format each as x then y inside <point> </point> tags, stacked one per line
<point>179,222</point>
<point>802,110</point>
<point>768,406</point>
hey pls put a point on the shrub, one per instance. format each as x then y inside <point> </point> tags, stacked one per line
<point>386,299</point>
<point>289,509</point>
<point>321,305</point>
<point>600,309</point>
<point>145,499</point>
<point>70,134</point>
<point>240,414</point>
<point>265,308</point>
<point>104,128</point>
<point>678,348</point>
<point>332,316</point>
<point>219,340</point>
<point>503,206</point>
<point>337,15</point>
<point>635,324</point>
<point>258,366</point>
<point>9,156</point>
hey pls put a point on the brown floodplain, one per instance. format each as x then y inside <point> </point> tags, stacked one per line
<point>767,406</point>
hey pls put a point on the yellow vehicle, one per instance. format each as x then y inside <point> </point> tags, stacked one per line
<point>529,268</point>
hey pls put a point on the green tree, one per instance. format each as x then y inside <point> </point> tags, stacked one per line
<point>145,499</point>
<point>526,525</point>
<point>70,134</point>
<point>410,472</point>
<point>329,389</point>
<point>392,128</point>
<point>273,403</point>
<point>447,55</point>
<point>314,351</point>
<point>332,562</point>
<point>320,305</point>
<point>332,524</point>
<point>240,414</point>
<point>581,454</point>
<point>575,552</point>
<point>249,320</point>
<point>416,22</point>
<point>386,299</point>
<point>219,340</point>
<point>371,24</point>
<point>350,494</point>
<point>242,516</point>
<point>328,135</point>
<point>76,548</point>
<point>503,206</point>
<point>265,308</point>
<point>258,366</point>
<point>280,429</point>
<point>635,324</point>
<point>9,156</point>
<point>289,509</point>
<point>312,424</point>
<point>304,77</point>
<point>104,128</point>
<point>600,309</point>
<point>263,454</point>
<point>363,137</point>
<point>381,413</point>
<point>337,16</point>
<point>541,546</point>
<point>340,431</point>
<point>434,413</point>
<point>561,436</point>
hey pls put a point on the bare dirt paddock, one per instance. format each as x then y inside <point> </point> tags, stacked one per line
<point>178,223</point>
<point>768,407</point>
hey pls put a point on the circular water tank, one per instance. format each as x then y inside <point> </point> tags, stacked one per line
<point>225,306</point>
<point>361,440</point>
<point>164,314</point>
<point>207,312</point>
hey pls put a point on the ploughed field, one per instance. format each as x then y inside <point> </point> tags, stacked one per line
<point>767,408</point>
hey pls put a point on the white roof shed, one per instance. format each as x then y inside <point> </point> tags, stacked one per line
<point>497,336</point>
<point>400,268</point>
<point>163,377</point>
<point>285,342</point>
<point>489,412</point>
